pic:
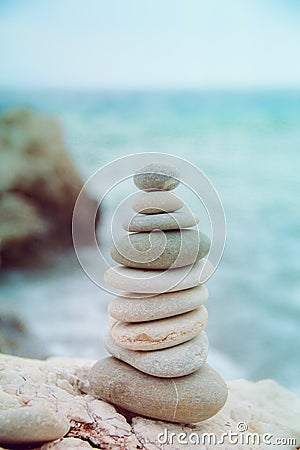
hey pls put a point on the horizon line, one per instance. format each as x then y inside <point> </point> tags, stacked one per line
<point>164,88</point>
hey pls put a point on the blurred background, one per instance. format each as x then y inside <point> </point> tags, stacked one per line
<point>217,83</point>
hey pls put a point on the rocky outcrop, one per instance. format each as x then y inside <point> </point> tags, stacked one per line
<point>15,337</point>
<point>59,386</point>
<point>38,188</point>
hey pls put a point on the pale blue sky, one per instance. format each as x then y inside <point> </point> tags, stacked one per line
<point>149,43</point>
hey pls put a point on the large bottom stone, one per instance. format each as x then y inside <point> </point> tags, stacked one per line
<point>177,361</point>
<point>188,399</point>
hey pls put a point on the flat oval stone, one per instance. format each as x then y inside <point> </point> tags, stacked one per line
<point>156,202</point>
<point>188,399</point>
<point>177,361</point>
<point>160,250</point>
<point>158,281</point>
<point>172,221</point>
<point>162,333</point>
<point>157,176</point>
<point>126,309</point>
<point>29,425</point>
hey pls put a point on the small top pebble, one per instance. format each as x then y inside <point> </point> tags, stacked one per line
<point>157,176</point>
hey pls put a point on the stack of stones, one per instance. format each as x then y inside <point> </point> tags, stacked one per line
<point>158,346</point>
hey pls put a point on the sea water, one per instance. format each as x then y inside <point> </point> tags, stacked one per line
<point>248,144</point>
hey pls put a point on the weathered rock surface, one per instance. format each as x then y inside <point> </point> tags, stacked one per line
<point>61,385</point>
<point>126,309</point>
<point>171,362</point>
<point>162,333</point>
<point>69,443</point>
<point>265,407</point>
<point>38,189</point>
<point>157,176</point>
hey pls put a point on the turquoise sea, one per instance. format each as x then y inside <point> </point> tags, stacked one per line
<point>248,144</point>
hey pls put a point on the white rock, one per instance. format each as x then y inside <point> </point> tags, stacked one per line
<point>41,384</point>
<point>265,407</point>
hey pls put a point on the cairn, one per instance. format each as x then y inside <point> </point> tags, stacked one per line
<point>157,340</point>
